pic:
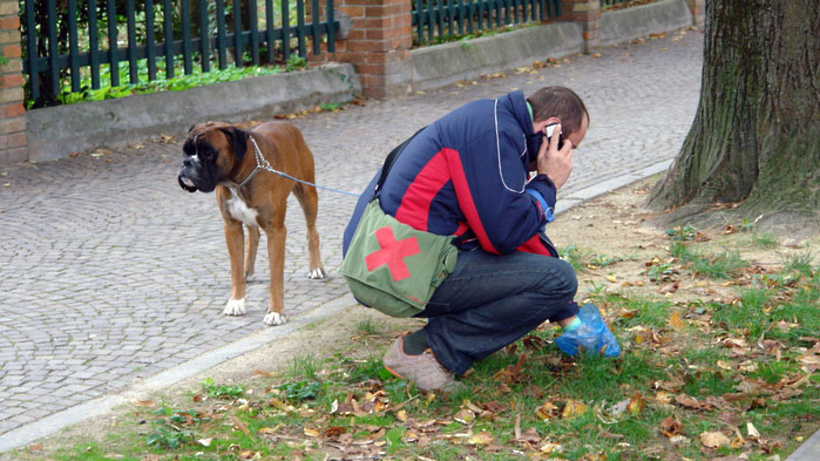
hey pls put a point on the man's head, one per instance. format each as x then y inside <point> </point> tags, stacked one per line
<point>557,104</point>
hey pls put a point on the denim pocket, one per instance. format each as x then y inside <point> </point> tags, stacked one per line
<point>433,309</point>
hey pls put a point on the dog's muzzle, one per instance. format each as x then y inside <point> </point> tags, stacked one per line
<point>185,181</point>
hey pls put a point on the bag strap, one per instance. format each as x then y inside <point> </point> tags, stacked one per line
<point>388,164</point>
<point>391,159</point>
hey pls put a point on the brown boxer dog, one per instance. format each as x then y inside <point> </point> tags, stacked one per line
<point>235,162</point>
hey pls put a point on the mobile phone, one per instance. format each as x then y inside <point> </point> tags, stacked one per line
<point>548,130</point>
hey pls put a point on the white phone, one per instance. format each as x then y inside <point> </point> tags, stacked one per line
<point>549,129</point>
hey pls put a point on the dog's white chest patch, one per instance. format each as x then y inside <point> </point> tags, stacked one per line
<point>241,211</point>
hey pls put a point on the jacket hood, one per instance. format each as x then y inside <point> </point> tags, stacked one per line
<point>517,104</point>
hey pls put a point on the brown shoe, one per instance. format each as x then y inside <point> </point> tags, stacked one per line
<point>424,370</point>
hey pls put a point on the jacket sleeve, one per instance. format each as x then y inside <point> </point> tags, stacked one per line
<point>500,206</point>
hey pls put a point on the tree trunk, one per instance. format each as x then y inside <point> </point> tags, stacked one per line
<point>756,136</point>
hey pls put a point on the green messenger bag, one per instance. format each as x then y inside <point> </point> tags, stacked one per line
<point>394,268</point>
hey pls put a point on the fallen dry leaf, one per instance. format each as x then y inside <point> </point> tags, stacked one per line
<point>636,404</point>
<point>530,437</point>
<point>714,440</point>
<point>751,431</point>
<point>250,454</point>
<point>551,447</point>
<point>678,440</point>
<point>670,288</point>
<point>334,431</point>
<point>547,411</point>
<point>464,416</point>
<point>619,408</point>
<point>144,403</point>
<point>690,402</point>
<point>671,427</point>
<point>573,408</point>
<point>482,438</point>
<point>239,424</point>
<point>676,322</point>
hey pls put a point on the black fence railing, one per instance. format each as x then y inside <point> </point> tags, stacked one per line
<point>434,20</point>
<point>72,44</point>
<point>606,3</point>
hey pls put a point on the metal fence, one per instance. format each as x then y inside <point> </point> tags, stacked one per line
<point>68,42</point>
<point>435,20</point>
<point>606,3</point>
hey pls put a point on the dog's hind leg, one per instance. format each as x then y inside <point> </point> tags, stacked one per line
<point>309,201</point>
<point>251,247</point>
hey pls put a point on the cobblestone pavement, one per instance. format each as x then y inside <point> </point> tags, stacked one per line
<point>109,272</point>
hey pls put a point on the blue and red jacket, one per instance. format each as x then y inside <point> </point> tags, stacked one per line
<point>467,175</point>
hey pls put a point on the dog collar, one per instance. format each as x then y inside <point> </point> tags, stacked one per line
<point>261,163</point>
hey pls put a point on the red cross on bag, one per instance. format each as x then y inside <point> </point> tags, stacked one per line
<point>392,253</point>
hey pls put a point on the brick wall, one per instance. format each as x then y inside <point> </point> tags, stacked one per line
<point>378,45</point>
<point>12,112</point>
<point>698,9</point>
<point>588,14</point>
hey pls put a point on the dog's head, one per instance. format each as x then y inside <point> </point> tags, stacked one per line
<point>211,152</point>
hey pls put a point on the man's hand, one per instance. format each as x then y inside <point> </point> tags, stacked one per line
<point>556,164</point>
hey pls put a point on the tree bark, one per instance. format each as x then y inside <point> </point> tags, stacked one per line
<point>756,136</point>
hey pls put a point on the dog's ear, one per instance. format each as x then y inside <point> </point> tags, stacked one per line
<point>238,140</point>
<point>191,129</point>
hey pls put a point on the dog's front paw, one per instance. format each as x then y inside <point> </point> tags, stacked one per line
<point>235,307</point>
<point>275,318</point>
<point>318,273</point>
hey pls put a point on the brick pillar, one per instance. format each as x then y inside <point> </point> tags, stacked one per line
<point>697,7</point>
<point>12,111</point>
<point>378,45</point>
<point>588,13</point>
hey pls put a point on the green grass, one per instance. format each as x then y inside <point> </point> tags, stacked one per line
<point>367,326</point>
<point>222,390</point>
<point>662,271</point>
<point>764,240</point>
<point>748,316</point>
<point>575,256</point>
<point>682,234</point>
<point>582,259</point>
<point>644,311</point>
<point>724,265</point>
<point>802,264</point>
<point>306,365</point>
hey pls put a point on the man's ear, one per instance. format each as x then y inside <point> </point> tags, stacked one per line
<point>238,139</point>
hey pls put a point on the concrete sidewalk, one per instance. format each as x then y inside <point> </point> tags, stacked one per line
<point>113,279</point>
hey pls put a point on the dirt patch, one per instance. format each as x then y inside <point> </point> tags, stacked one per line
<point>619,235</point>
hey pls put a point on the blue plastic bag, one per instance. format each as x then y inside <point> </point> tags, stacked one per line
<point>592,336</point>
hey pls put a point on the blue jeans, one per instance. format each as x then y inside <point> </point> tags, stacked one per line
<point>490,301</point>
